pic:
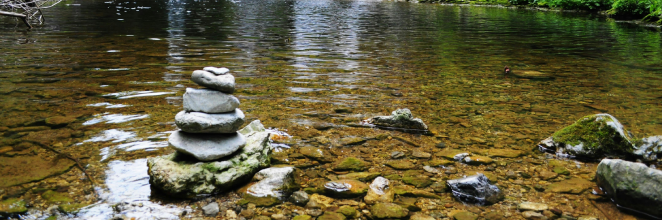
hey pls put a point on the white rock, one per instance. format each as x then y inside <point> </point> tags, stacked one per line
<point>223,83</point>
<point>216,70</point>
<point>532,206</point>
<point>198,122</point>
<point>209,101</point>
<point>206,147</point>
<point>274,181</point>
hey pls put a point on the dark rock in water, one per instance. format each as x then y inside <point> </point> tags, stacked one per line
<point>224,83</point>
<point>206,147</point>
<point>198,122</point>
<point>209,101</point>
<point>631,185</point>
<point>178,175</point>
<point>650,148</point>
<point>475,189</point>
<point>592,136</point>
<point>401,118</point>
<point>299,198</point>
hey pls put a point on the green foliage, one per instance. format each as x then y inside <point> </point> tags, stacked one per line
<point>589,5</point>
<point>631,8</point>
<point>521,2</point>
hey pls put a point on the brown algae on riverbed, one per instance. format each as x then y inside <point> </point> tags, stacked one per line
<point>464,100</point>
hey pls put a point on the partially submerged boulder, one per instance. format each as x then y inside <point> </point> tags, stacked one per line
<point>475,189</point>
<point>180,175</point>
<point>631,185</point>
<point>273,184</point>
<point>592,136</point>
<point>400,119</point>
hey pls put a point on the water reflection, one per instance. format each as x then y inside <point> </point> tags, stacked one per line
<point>114,118</point>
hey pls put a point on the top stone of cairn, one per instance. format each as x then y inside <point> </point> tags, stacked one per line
<point>222,83</point>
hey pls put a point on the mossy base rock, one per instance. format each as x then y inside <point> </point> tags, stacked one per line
<point>650,148</point>
<point>350,163</point>
<point>345,188</point>
<point>180,175</point>
<point>592,136</point>
<point>475,189</point>
<point>632,185</point>
<point>12,206</point>
<point>572,186</point>
<point>388,211</point>
<point>401,118</point>
<point>273,183</point>
<point>416,178</point>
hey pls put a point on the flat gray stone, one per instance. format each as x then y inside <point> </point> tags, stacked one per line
<point>198,122</point>
<point>223,83</point>
<point>209,101</point>
<point>180,176</point>
<point>206,147</point>
<point>216,70</point>
<point>211,209</point>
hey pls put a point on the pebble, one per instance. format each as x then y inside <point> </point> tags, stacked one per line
<point>397,155</point>
<point>210,209</point>
<point>532,206</point>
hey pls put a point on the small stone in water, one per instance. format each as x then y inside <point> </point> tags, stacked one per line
<point>440,145</point>
<point>397,155</point>
<point>210,209</point>
<point>216,70</point>
<point>299,198</point>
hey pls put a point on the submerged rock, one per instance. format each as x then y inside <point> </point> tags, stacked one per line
<point>475,189</point>
<point>12,207</point>
<point>206,147</point>
<point>401,118</point>
<point>209,101</point>
<point>532,74</point>
<point>631,185</point>
<point>345,188</point>
<point>379,191</point>
<point>299,198</point>
<point>592,136</point>
<point>178,175</point>
<point>273,182</point>
<point>13,170</point>
<point>223,83</point>
<point>650,148</point>
<point>388,211</point>
<point>199,122</point>
<point>571,186</point>
<point>350,163</point>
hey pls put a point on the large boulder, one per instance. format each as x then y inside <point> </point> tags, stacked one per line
<point>592,136</point>
<point>273,184</point>
<point>401,118</point>
<point>180,175</point>
<point>475,189</point>
<point>631,185</point>
<point>199,122</point>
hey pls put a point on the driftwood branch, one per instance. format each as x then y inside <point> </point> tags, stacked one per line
<point>75,159</point>
<point>23,17</point>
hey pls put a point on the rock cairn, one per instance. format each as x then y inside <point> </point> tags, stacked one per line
<point>210,119</point>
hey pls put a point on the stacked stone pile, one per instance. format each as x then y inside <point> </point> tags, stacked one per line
<point>210,119</point>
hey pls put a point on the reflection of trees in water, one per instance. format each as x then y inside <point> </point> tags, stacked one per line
<point>28,11</point>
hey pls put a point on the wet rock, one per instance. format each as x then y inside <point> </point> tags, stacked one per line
<point>55,197</point>
<point>345,188</point>
<point>274,185</point>
<point>420,216</point>
<point>177,175</point>
<point>318,201</point>
<point>224,83</point>
<point>561,171</point>
<point>323,126</point>
<point>494,216</point>
<point>439,187</point>
<point>532,74</point>
<point>632,185</point>
<point>511,174</point>
<point>408,203</point>
<point>416,178</point>
<point>452,154</point>
<point>547,175</point>
<point>316,154</point>
<point>440,145</point>
<point>402,191</point>
<point>465,216</point>
<point>421,154</point>
<point>12,207</point>
<point>59,121</point>
<point>379,191</point>
<point>5,149</point>
<point>440,162</point>
<point>533,215</point>
<point>532,206</point>
<point>206,147</point>
<point>216,70</point>
<point>650,148</point>
<point>350,163</point>
<point>475,189</point>
<point>592,136</point>
<point>361,176</point>
<point>209,101</point>
<point>348,141</point>
<point>348,211</point>
<point>477,160</point>
<point>331,216</point>
<point>198,122</point>
<point>572,186</point>
<point>210,209</point>
<point>302,217</point>
<point>38,169</point>
<point>388,211</point>
<point>397,155</point>
<point>431,170</point>
<point>401,164</point>
<point>299,198</point>
<point>401,118</point>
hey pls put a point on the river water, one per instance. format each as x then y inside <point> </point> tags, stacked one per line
<point>101,82</point>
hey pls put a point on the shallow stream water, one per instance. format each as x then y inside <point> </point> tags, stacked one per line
<point>116,72</point>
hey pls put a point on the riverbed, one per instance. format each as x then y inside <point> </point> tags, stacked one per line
<point>100,83</point>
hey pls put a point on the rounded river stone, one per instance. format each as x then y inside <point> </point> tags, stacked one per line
<point>206,147</point>
<point>198,122</point>
<point>223,83</point>
<point>209,101</point>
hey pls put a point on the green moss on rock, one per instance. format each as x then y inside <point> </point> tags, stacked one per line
<point>72,208</point>
<point>12,206</point>
<point>53,197</point>
<point>388,211</point>
<point>331,216</point>
<point>416,178</point>
<point>594,136</point>
<point>350,163</point>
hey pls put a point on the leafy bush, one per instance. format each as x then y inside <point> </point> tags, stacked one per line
<point>650,10</point>
<point>590,5</point>
<point>521,2</point>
